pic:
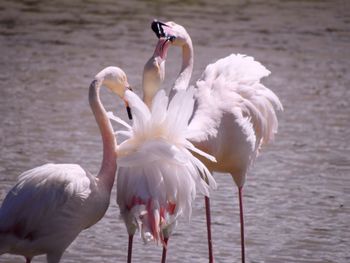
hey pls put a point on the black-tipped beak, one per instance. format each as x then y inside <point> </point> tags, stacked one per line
<point>157,28</point>
<point>128,109</point>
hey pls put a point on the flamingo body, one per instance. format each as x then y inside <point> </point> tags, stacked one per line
<point>47,208</point>
<point>51,204</point>
<point>158,176</point>
<point>235,113</point>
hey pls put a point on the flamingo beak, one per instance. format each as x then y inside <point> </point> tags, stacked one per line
<point>128,109</point>
<point>157,28</point>
<point>161,32</point>
<point>162,47</point>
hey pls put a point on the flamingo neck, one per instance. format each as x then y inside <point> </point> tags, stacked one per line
<point>108,166</point>
<point>154,71</point>
<point>153,76</point>
<point>184,76</point>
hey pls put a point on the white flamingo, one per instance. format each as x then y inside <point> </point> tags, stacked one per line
<point>153,75</point>
<point>51,204</point>
<point>234,115</point>
<point>158,175</point>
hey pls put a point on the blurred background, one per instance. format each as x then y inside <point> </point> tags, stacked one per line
<point>297,196</point>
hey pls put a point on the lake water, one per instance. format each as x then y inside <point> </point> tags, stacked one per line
<point>297,196</point>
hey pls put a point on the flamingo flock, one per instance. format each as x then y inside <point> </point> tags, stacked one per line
<point>170,150</point>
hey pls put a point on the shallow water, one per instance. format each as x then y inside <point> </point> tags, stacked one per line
<point>297,194</point>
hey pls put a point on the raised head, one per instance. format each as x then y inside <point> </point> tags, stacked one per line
<point>173,32</point>
<point>177,36</point>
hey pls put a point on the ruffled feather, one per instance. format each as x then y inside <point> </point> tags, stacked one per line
<point>158,176</point>
<point>232,84</point>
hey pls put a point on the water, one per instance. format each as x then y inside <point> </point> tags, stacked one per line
<point>297,194</point>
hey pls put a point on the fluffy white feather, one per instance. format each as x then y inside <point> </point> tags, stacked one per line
<point>234,114</point>
<point>158,176</point>
<point>46,198</point>
<point>232,84</point>
<point>233,108</point>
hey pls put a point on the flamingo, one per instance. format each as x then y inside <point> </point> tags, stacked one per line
<point>51,204</point>
<point>235,114</point>
<point>158,175</point>
<point>153,75</point>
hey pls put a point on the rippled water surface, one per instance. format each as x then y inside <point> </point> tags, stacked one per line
<point>297,194</point>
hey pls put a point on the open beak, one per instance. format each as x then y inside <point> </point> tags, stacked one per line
<point>128,109</point>
<point>162,30</point>
<point>157,28</point>
<point>162,47</point>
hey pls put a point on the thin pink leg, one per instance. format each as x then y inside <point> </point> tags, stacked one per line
<point>210,242</point>
<point>130,248</point>
<point>164,250</point>
<point>240,195</point>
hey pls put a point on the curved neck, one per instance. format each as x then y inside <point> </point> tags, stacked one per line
<point>154,71</point>
<point>108,166</point>
<point>184,76</point>
<point>153,76</point>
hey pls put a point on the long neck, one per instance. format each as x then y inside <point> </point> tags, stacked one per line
<point>154,71</point>
<point>153,76</point>
<point>108,166</point>
<point>184,76</point>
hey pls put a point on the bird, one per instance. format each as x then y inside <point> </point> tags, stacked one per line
<point>51,204</point>
<point>153,75</point>
<point>158,176</point>
<point>234,114</point>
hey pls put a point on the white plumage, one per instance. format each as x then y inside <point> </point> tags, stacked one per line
<point>234,115</point>
<point>158,176</point>
<point>234,108</point>
<point>51,204</point>
<point>46,210</point>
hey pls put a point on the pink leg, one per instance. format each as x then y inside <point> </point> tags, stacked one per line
<point>28,260</point>
<point>164,250</point>
<point>130,248</point>
<point>210,242</point>
<point>240,195</point>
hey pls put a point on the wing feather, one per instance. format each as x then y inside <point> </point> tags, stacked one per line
<point>40,194</point>
<point>230,84</point>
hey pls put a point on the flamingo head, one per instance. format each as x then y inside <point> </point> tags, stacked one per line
<point>171,31</point>
<point>116,81</point>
